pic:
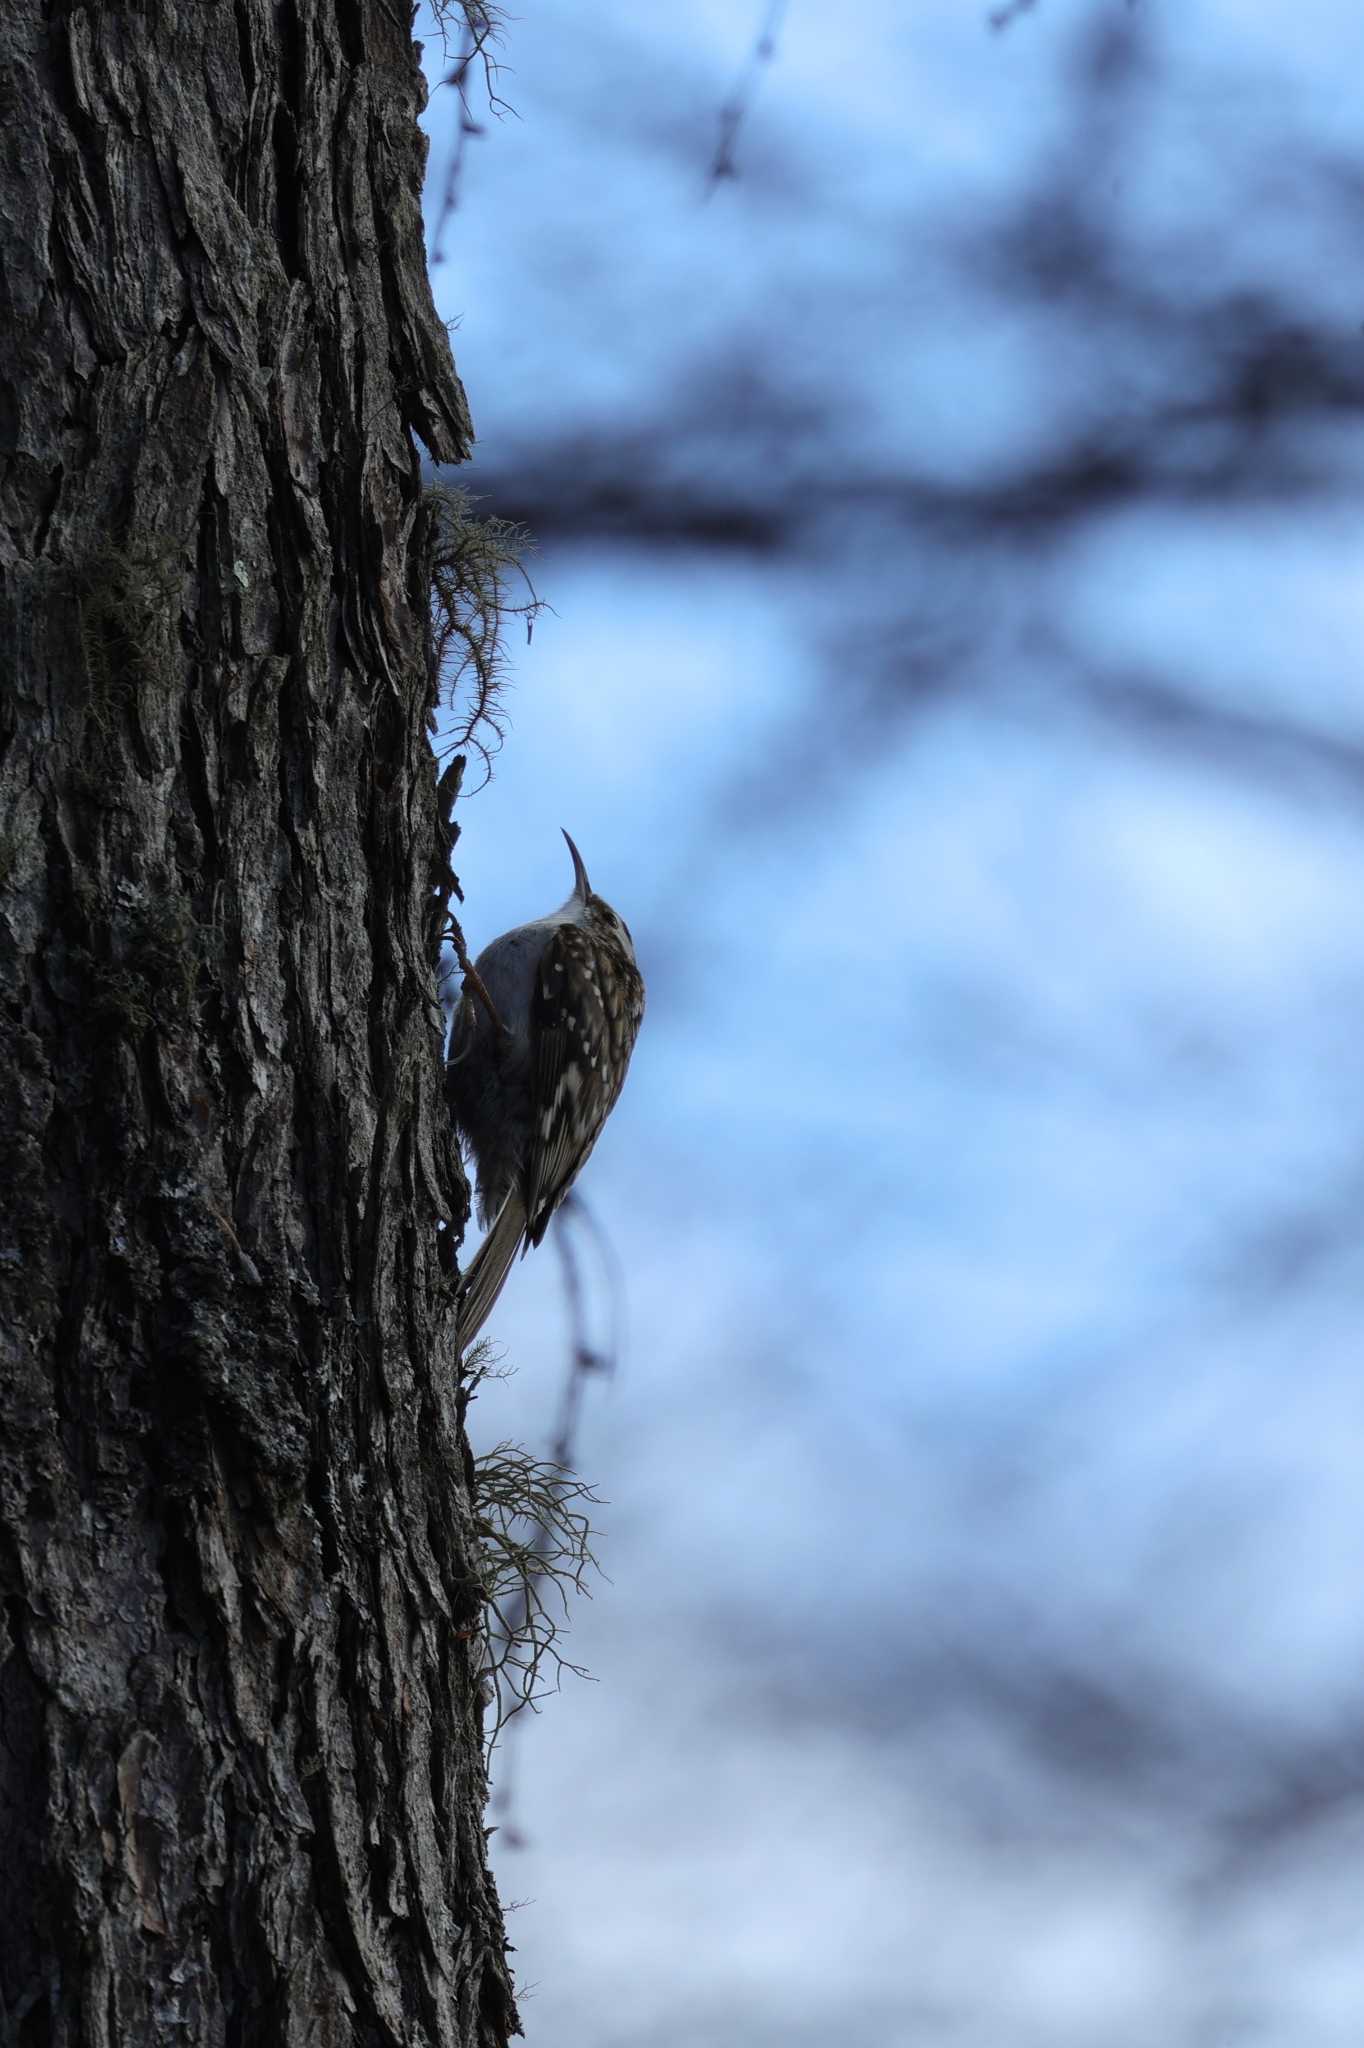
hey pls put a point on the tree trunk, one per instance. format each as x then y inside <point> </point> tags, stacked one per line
<point>241,1785</point>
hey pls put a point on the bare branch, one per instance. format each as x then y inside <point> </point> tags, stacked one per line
<point>732,113</point>
<point>480,30</point>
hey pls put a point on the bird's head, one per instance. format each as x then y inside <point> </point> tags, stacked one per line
<point>595,911</point>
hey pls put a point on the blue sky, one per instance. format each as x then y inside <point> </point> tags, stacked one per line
<point>952,529</point>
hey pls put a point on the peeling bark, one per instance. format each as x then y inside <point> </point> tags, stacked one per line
<point>241,1787</point>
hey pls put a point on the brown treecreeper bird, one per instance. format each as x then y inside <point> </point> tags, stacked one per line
<point>531,1087</point>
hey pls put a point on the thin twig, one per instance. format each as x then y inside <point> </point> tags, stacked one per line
<point>472,978</point>
<point>585,1359</point>
<point>535,1539</point>
<point>481,26</point>
<point>723,163</point>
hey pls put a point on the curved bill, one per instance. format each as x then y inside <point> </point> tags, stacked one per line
<point>582,887</point>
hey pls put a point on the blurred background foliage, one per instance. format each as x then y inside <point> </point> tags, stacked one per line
<point>943,429</point>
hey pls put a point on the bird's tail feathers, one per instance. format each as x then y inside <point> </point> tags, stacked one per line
<point>490,1266</point>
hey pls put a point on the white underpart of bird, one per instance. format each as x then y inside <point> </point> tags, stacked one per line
<point>530,1090</point>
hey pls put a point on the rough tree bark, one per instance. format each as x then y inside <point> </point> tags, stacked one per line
<point>241,1788</point>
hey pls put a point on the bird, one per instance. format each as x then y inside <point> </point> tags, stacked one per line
<point>542,1038</point>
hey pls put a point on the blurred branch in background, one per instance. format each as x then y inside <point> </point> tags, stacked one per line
<point>1005,16</point>
<point>736,107</point>
<point>1169,388</point>
<point>479,28</point>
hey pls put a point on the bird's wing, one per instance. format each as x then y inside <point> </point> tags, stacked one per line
<point>581,1047</point>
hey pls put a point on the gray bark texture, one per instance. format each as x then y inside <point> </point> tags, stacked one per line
<point>241,1781</point>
